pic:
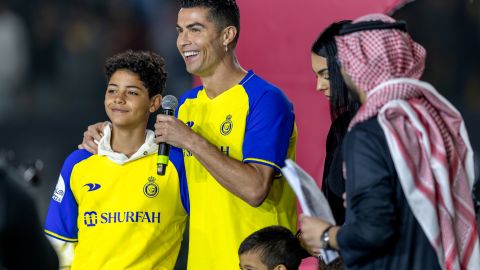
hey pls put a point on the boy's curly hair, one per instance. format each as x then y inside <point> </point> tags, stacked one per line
<point>149,66</point>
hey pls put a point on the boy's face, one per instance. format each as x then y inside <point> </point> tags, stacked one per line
<point>126,100</point>
<point>251,261</point>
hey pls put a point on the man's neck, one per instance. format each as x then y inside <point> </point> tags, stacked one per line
<point>226,75</point>
<point>127,140</point>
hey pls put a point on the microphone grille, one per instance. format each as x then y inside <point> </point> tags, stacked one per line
<point>169,102</point>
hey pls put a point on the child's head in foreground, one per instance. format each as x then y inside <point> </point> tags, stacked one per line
<point>271,248</point>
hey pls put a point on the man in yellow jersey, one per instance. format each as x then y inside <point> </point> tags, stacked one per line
<point>111,210</point>
<point>235,130</point>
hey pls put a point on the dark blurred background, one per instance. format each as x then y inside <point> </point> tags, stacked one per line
<point>52,54</point>
<point>450,31</point>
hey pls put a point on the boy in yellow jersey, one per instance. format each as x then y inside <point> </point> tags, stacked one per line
<point>236,130</point>
<point>111,210</point>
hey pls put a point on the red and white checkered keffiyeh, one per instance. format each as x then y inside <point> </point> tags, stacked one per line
<point>426,136</point>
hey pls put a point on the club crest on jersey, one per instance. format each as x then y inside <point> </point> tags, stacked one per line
<point>226,126</point>
<point>150,189</point>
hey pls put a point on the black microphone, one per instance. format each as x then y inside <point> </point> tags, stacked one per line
<point>169,104</point>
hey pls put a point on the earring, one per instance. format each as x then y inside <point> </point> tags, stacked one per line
<point>226,48</point>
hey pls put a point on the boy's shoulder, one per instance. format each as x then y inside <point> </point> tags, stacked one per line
<point>75,157</point>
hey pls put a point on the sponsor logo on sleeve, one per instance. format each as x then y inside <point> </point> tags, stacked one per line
<point>59,190</point>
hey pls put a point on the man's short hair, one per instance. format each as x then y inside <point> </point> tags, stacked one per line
<point>149,66</point>
<point>223,13</point>
<point>275,245</point>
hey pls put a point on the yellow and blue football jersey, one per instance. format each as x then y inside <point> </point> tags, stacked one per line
<point>251,122</point>
<point>119,216</point>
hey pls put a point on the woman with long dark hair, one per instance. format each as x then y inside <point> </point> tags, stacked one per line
<point>343,107</point>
